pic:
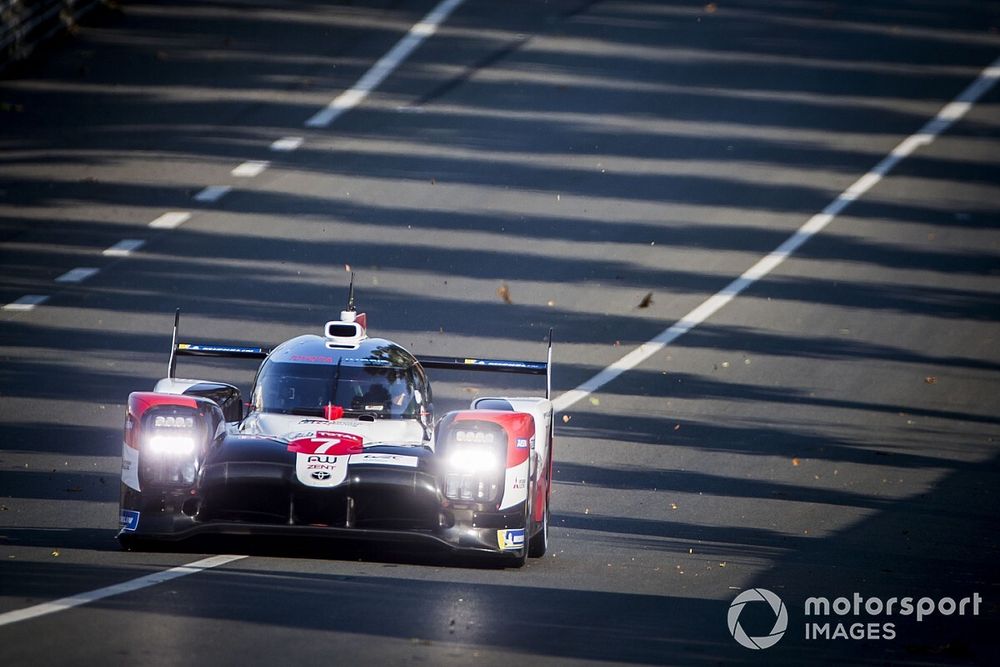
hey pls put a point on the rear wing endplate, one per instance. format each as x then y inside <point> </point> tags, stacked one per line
<point>208,350</point>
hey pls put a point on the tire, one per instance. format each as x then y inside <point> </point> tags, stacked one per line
<point>521,558</point>
<point>539,542</point>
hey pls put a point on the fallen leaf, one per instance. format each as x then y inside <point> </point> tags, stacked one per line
<point>55,553</point>
<point>647,300</point>
<point>566,419</point>
<point>711,7</point>
<point>504,293</point>
<point>930,379</point>
<point>795,462</point>
<point>594,400</point>
<point>673,506</point>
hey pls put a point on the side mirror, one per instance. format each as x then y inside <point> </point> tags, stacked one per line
<point>226,396</point>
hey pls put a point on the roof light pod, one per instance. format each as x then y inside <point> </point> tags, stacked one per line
<point>347,332</point>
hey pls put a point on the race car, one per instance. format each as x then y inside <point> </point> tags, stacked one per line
<point>338,439</point>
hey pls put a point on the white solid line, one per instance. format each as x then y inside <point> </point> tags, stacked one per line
<point>385,66</point>
<point>77,275</point>
<point>213,193</point>
<point>170,220</point>
<point>123,248</point>
<point>250,169</point>
<point>934,127</point>
<point>286,144</point>
<point>124,587</point>
<point>26,302</point>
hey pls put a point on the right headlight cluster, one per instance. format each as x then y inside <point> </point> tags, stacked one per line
<point>474,463</point>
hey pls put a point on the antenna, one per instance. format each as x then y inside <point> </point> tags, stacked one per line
<point>350,295</point>
<point>172,364</point>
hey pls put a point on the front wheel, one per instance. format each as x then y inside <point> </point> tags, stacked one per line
<point>539,542</point>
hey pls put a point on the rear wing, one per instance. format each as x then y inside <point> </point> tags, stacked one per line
<point>446,363</point>
<point>496,365</point>
<point>208,350</point>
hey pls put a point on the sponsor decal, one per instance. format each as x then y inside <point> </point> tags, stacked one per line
<point>522,443</point>
<point>515,487</point>
<point>312,359</point>
<point>130,467</point>
<point>320,470</point>
<point>373,458</point>
<point>326,442</point>
<point>128,520</point>
<point>510,538</point>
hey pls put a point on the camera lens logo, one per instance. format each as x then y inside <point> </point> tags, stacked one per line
<point>780,618</point>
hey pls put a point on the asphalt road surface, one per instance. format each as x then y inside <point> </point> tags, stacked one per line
<point>833,429</point>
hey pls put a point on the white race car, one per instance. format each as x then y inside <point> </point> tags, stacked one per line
<point>338,440</point>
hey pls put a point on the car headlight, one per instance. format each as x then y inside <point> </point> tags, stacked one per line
<point>473,473</point>
<point>473,459</point>
<point>172,444</point>
<point>172,435</point>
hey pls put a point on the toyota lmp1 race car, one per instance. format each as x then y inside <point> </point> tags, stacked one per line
<point>338,439</point>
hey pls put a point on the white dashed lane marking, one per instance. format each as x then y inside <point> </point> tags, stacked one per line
<point>123,248</point>
<point>171,219</point>
<point>371,79</point>
<point>212,193</point>
<point>250,168</point>
<point>77,275</point>
<point>286,144</point>
<point>26,302</point>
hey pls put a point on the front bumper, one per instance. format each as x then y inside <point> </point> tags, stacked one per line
<point>381,504</point>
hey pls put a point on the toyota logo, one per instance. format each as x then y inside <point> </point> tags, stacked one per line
<point>321,475</point>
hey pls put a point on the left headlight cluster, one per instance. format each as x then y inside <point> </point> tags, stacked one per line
<point>172,436</point>
<point>171,443</point>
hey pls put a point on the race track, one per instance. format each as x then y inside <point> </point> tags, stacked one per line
<point>828,425</point>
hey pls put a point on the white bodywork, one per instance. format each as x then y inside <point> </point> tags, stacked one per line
<point>292,427</point>
<point>516,480</point>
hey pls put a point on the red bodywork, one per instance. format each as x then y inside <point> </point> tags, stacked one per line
<point>518,425</point>
<point>141,401</point>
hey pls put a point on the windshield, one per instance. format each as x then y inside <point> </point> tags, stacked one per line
<point>386,392</point>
